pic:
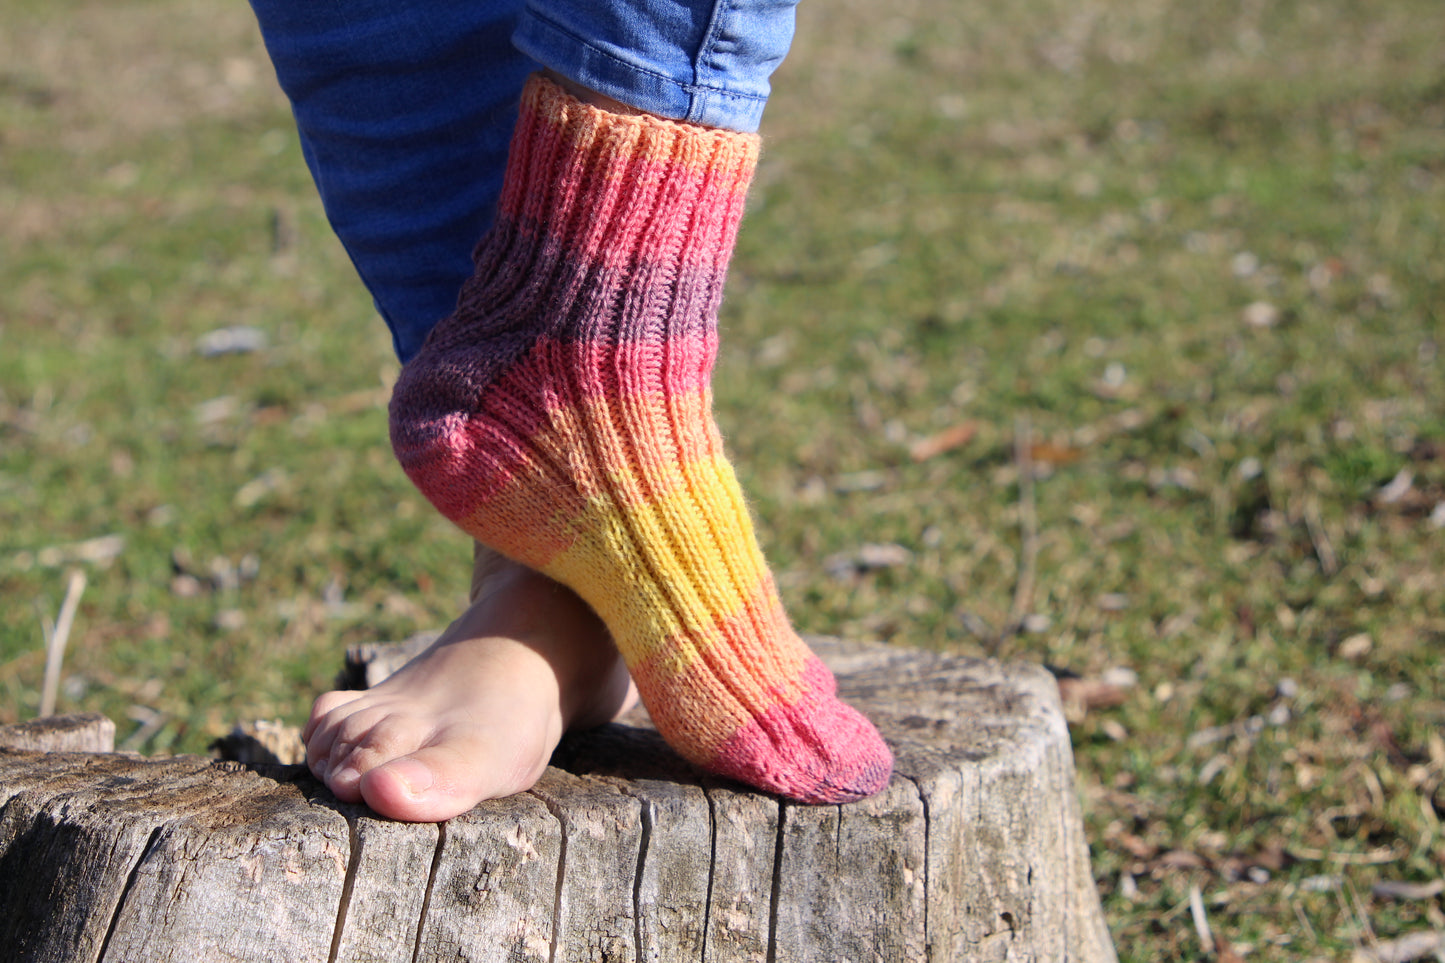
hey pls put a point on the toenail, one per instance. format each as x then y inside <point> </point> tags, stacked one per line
<point>415,777</point>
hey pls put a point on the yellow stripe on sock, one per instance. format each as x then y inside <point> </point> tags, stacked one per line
<point>683,574</point>
<point>535,515</point>
<point>757,635</point>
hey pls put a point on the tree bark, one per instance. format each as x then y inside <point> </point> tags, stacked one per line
<point>622,852</point>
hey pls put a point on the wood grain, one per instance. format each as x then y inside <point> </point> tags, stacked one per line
<point>622,852</point>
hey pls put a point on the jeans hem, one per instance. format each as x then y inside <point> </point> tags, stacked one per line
<point>634,84</point>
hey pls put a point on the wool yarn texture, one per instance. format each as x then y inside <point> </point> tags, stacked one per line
<point>563,416</point>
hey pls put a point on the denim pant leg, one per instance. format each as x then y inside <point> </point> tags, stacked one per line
<point>406,108</point>
<point>701,62</point>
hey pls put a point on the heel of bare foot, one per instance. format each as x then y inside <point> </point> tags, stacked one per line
<point>477,715</point>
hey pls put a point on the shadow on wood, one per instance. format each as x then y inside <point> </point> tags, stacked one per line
<point>622,852</point>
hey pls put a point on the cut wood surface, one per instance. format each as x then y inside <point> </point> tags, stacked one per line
<point>82,732</point>
<point>622,852</point>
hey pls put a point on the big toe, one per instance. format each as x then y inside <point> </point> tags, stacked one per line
<point>436,783</point>
<point>407,788</point>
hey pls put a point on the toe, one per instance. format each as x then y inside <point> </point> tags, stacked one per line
<point>367,739</point>
<point>430,785</point>
<point>328,714</point>
<point>319,743</point>
<point>344,780</point>
<point>326,704</point>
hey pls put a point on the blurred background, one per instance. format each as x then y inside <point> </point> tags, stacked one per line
<point>1103,335</point>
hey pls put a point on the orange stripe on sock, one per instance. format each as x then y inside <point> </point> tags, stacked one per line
<point>665,546</point>
<point>758,616</point>
<point>619,161</point>
<point>711,703</point>
<point>590,449</point>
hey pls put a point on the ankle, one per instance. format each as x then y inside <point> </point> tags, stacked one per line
<point>589,96</point>
<point>549,619</point>
<point>487,564</point>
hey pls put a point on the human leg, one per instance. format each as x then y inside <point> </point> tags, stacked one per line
<point>405,111</point>
<point>563,416</point>
<point>793,735</point>
<point>704,62</point>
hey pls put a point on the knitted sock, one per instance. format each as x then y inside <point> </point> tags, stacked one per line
<point>563,416</point>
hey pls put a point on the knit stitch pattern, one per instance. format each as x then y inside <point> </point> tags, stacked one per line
<point>563,416</point>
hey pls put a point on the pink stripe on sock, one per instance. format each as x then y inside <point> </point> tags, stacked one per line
<point>467,461</point>
<point>692,229</point>
<point>636,362</point>
<point>558,373</point>
<point>817,750</point>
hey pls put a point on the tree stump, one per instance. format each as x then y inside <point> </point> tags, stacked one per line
<point>622,852</point>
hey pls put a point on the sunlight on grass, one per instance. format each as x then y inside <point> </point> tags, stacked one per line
<point>1198,248</point>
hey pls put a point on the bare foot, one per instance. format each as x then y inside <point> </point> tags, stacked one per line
<point>477,715</point>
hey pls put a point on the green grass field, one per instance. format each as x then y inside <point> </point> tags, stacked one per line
<point>1116,325</point>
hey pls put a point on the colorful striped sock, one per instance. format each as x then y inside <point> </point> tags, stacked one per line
<point>563,416</point>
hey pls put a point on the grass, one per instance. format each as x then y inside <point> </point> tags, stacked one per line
<point>1057,213</point>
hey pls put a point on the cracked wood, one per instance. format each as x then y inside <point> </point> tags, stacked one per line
<point>622,852</point>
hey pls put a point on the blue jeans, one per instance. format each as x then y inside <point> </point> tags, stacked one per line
<point>406,107</point>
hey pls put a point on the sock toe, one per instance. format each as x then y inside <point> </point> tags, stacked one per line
<point>819,750</point>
